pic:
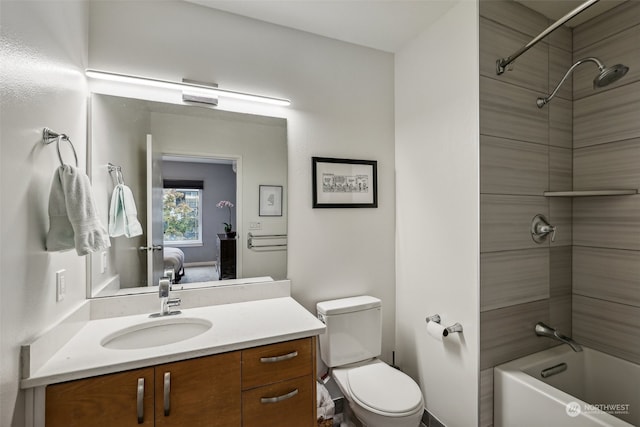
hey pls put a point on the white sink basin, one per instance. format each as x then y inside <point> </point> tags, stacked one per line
<point>156,333</point>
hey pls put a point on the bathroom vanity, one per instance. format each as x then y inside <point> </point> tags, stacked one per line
<point>249,363</point>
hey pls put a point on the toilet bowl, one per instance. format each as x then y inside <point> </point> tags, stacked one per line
<point>379,395</point>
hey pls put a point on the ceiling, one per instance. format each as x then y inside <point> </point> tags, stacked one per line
<point>386,25</point>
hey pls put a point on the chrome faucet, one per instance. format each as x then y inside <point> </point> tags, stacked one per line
<point>543,330</point>
<point>164,286</point>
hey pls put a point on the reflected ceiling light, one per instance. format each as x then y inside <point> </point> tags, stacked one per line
<point>192,88</point>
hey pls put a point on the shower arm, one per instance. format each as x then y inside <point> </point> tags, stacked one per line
<point>540,102</point>
<point>501,64</point>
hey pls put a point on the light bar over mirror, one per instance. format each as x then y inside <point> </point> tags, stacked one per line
<point>191,88</point>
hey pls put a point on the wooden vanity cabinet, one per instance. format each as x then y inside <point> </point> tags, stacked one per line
<point>278,384</point>
<point>200,392</point>
<point>105,401</point>
<point>272,385</point>
<point>194,393</point>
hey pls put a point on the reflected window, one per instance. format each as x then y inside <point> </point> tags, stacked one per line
<point>182,216</point>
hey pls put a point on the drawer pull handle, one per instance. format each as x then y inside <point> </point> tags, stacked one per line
<point>279,358</point>
<point>167,393</point>
<point>279,398</point>
<point>140,400</point>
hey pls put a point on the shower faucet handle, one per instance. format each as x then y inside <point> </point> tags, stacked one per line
<point>541,228</point>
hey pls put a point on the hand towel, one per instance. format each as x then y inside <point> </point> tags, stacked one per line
<point>123,215</point>
<point>89,234</point>
<point>60,235</point>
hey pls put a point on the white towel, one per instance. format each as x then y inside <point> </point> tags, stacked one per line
<point>123,215</point>
<point>73,216</point>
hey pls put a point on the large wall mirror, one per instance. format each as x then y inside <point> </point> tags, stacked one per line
<point>189,172</point>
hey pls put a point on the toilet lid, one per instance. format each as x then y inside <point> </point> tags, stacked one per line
<point>384,389</point>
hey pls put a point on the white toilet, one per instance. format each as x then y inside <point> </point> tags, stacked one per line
<point>379,395</point>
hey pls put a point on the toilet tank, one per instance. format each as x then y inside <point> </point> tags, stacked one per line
<point>354,330</point>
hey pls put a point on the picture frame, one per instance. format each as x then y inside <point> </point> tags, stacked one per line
<point>344,183</point>
<point>270,200</point>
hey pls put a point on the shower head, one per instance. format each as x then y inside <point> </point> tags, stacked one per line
<point>607,75</point>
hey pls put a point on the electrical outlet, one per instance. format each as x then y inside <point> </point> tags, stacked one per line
<point>61,286</point>
<point>103,262</point>
<point>255,225</point>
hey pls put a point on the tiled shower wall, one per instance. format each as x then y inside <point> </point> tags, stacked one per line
<point>524,151</point>
<point>606,230</point>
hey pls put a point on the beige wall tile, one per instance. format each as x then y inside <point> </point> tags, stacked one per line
<point>496,41</point>
<point>559,63</point>
<point>621,48</point>
<point>560,122</point>
<point>560,313</point>
<point>609,23</point>
<point>560,169</point>
<point>561,38</point>
<point>512,167</point>
<point>508,333</point>
<point>513,277</point>
<point>505,221</point>
<point>608,166</point>
<point>607,222</point>
<point>609,274</point>
<point>560,215</point>
<point>607,326</point>
<point>509,111</point>
<point>607,116</point>
<point>486,398</point>
<point>560,265</point>
<point>514,16</point>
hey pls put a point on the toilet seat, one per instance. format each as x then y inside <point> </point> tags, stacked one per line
<point>384,390</point>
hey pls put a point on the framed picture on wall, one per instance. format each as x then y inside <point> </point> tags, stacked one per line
<point>344,183</point>
<point>270,200</point>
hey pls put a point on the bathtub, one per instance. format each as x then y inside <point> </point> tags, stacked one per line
<point>578,389</point>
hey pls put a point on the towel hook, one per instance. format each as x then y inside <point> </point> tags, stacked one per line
<point>118,170</point>
<point>48,136</point>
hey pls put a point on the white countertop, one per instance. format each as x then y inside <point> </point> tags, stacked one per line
<point>235,326</point>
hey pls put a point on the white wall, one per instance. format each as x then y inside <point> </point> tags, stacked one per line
<point>437,164</point>
<point>44,52</point>
<point>342,106</point>
<point>119,136</point>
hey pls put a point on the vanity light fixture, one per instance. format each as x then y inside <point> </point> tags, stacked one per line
<point>192,88</point>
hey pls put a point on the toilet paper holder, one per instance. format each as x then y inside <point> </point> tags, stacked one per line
<point>456,327</point>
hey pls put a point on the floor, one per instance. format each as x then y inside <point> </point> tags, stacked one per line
<point>205,273</point>
<point>342,409</point>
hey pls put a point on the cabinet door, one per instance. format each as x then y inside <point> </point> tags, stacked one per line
<point>199,392</point>
<point>123,399</point>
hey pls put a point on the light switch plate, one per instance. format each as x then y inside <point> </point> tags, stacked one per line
<point>61,286</point>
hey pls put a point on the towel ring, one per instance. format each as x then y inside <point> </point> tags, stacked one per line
<point>48,136</point>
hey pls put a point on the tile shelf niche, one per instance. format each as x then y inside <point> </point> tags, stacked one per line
<point>585,193</point>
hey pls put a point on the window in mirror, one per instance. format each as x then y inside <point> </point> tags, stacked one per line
<point>182,215</point>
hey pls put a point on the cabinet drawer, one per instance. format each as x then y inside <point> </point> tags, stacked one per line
<point>273,363</point>
<point>287,403</point>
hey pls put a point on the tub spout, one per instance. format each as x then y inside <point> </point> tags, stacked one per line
<point>543,330</point>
